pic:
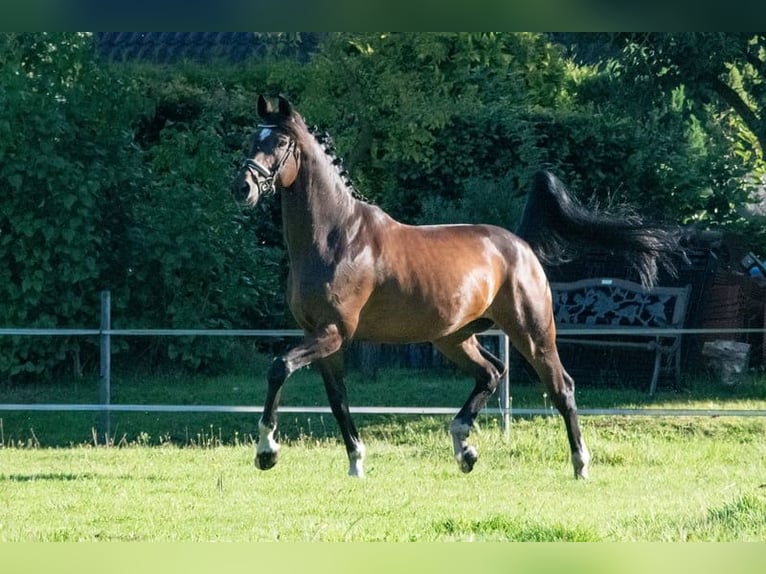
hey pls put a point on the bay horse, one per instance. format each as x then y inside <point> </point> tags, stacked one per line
<point>356,273</point>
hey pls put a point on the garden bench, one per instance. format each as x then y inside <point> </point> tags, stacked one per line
<point>620,313</point>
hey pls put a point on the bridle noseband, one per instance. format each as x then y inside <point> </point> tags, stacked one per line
<point>267,181</point>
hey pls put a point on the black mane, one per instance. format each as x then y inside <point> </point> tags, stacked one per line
<point>325,140</point>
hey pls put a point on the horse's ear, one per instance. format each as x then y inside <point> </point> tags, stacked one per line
<point>263,106</point>
<point>285,107</point>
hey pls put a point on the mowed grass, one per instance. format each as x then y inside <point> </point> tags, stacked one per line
<point>190,476</point>
<point>652,480</point>
<point>390,388</point>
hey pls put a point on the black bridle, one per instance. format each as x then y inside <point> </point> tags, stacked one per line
<point>267,180</point>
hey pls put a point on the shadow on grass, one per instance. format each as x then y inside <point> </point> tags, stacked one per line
<point>48,476</point>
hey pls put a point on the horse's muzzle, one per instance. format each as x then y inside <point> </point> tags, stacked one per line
<point>240,188</point>
<point>245,188</point>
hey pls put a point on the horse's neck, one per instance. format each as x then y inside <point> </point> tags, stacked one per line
<point>315,208</point>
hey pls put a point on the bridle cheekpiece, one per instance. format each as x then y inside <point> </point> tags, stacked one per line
<point>267,180</point>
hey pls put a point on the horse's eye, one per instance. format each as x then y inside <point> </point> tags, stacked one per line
<point>282,142</point>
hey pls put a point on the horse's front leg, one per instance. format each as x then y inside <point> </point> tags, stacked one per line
<point>332,374</point>
<point>267,449</point>
<point>316,346</point>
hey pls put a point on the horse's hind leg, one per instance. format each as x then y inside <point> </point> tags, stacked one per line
<point>332,374</point>
<point>561,388</point>
<point>565,403</point>
<point>322,344</point>
<point>487,370</point>
<point>542,354</point>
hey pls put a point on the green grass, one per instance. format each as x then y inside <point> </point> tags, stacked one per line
<point>176,476</point>
<point>652,480</point>
<point>393,387</point>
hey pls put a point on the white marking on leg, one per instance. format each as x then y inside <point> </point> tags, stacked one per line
<point>356,461</point>
<point>266,442</point>
<point>581,463</point>
<point>459,431</point>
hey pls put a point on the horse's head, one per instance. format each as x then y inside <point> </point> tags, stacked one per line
<point>274,154</point>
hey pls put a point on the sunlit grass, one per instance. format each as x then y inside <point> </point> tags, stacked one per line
<point>652,479</point>
<point>392,387</point>
<point>189,476</point>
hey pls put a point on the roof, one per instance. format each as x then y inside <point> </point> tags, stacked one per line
<point>168,47</point>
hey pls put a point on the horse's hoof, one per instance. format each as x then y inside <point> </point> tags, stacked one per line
<point>581,463</point>
<point>266,460</point>
<point>468,458</point>
<point>582,473</point>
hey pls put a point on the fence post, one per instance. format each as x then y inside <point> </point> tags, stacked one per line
<point>505,387</point>
<point>106,365</point>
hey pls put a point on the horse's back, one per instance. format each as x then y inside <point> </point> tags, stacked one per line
<point>432,280</point>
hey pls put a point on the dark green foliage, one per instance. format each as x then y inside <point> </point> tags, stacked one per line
<point>116,176</point>
<point>423,113</point>
<point>67,172</point>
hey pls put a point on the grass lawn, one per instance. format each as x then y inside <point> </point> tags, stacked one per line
<point>392,387</point>
<point>652,480</point>
<point>189,476</point>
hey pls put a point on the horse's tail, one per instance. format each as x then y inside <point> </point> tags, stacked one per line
<point>557,226</point>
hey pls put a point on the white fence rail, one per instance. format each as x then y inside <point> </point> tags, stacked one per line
<point>503,410</point>
<point>105,406</point>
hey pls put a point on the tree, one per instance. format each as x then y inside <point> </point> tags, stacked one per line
<point>422,113</point>
<point>435,118</point>
<point>722,69</point>
<point>698,94</point>
<point>66,172</point>
<point>118,178</point>
<point>197,259</point>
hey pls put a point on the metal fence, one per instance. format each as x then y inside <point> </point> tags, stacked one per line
<point>504,410</point>
<point>105,406</point>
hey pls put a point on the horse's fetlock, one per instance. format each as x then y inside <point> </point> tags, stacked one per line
<point>459,429</point>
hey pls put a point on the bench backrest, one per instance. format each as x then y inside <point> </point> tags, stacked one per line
<point>615,303</point>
